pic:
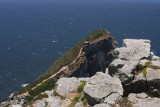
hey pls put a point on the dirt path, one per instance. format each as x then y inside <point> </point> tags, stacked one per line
<point>62,69</point>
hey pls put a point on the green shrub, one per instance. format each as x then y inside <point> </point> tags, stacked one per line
<point>41,96</point>
<point>55,93</point>
<point>84,101</point>
<point>47,85</point>
<point>81,86</point>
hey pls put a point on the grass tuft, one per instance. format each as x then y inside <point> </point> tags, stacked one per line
<point>81,86</point>
<point>84,101</point>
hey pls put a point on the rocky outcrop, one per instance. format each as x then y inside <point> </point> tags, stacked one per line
<point>103,88</point>
<point>123,72</point>
<point>149,79</point>
<point>127,58</point>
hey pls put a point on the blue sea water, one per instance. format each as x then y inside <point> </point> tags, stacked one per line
<point>33,34</point>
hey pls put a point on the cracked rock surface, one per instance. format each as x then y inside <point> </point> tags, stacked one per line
<point>101,86</point>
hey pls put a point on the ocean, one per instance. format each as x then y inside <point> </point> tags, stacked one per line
<point>33,34</point>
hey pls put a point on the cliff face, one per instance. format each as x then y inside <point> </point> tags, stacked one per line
<point>96,57</point>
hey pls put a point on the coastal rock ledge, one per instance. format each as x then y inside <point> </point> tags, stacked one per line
<point>127,76</point>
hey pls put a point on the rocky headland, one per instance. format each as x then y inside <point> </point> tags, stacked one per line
<point>97,73</point>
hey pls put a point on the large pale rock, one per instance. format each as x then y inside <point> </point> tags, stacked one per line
<point>68,85</point>
<point>51,101</point>
<point>55,102</point>
<point>40,103</point>
<point>101,86</point>
<point>142,100</point>
<point>127,58</point>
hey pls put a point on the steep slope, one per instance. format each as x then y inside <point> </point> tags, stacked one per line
<point>84,59</point>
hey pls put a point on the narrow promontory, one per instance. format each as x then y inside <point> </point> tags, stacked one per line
<point>96,72</point>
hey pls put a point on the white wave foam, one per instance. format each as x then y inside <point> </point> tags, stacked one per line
<point>24,85</point>
<point>152,53</point>
<point>54,41</point>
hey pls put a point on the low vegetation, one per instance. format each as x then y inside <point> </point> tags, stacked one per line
<point>41,96</point>
<point>144,72</point>
<point>76,99</point>
<point>47,85</point>
<point>35,94</point>
<point>144,68</point>
<point>147,65</point>
<point>84,101</point>
<point>81,86</point>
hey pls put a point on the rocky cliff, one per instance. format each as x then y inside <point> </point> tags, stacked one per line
<point>100,75</point>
